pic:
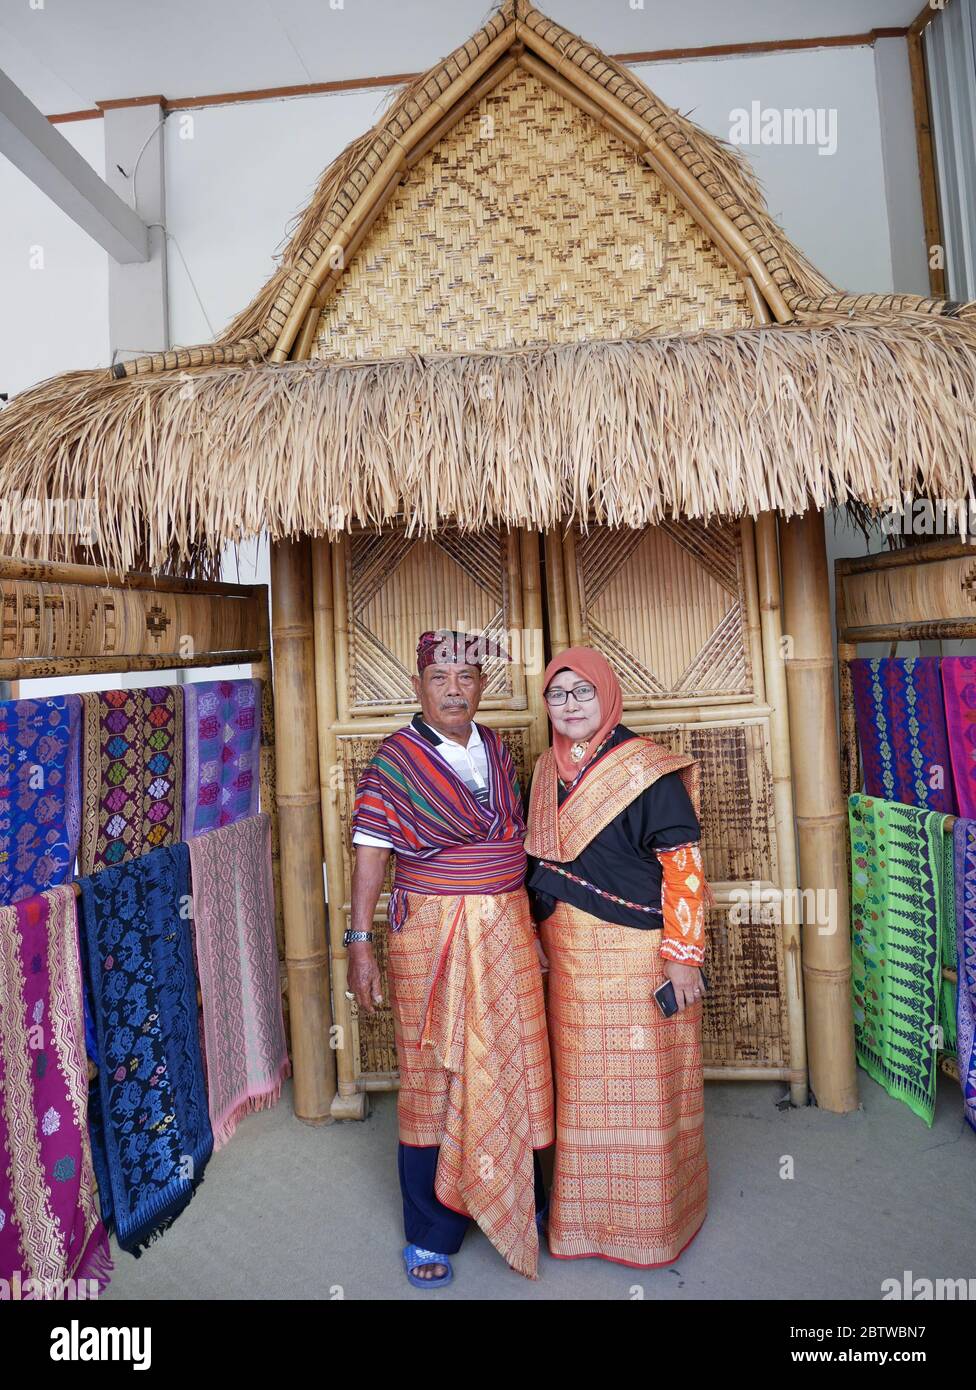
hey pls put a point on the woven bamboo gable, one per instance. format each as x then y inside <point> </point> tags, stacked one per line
<point>527,224</point>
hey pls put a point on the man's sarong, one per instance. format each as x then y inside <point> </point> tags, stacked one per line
<point>475,1075</point>
<point>631,1174</point>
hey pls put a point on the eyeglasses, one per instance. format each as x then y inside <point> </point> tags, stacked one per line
<point>582,693</point>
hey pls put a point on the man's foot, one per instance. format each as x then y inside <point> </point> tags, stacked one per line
<point>426,1267</point>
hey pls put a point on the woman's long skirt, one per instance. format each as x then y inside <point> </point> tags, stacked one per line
<point>631,1175</point>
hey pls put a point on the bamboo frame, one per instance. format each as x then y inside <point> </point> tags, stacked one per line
<point>303,892</point>
<point>350,1101</point>
<point>46,668</point>
<point>767,560</point>
<point>821,816</point>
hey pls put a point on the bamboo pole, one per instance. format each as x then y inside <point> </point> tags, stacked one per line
<point>262,671</point>
<point>574,607</point>
<point>556,592</point>
<point>850,753</point>
<point>747,533</point>
<point>394,162</point>
<point>43,667</point>
<point>908,555</point>
<point>303,892</point>
<point>532,620</point>
<point>668,167</point>
<point>767,559</point>
<point>350,1101</point>
<point>821,812</point>
<point>94,576</point>
<point>934,630</point>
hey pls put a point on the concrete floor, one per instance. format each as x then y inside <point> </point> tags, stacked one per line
<point>287,1211</point>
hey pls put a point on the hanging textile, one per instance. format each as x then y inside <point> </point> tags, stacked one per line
<point>964,842</point>
<point>959,689</point>
<point>902,728</point>
<point>133,799</point>
<point>40,812</point>
<point>237,956</point>
<point>150,1128</point>
<point>49,1225</point>
<point>223,749</point>
<point>900,898</point>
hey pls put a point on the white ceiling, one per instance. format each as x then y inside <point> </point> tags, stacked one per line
<point>68,54</point>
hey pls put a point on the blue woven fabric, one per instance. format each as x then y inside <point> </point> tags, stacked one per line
<point>151,1132</point>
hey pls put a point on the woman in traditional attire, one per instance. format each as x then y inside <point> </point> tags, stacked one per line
<point>616,881</point>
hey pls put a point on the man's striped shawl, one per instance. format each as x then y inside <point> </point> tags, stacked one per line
<point>410,796</point>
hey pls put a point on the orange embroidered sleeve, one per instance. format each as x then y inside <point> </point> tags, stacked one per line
<point>682,904</point>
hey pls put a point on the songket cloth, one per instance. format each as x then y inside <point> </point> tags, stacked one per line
<point>223,749</point>
<point>959,690</point>
<point>151,1130</point>
<point>901,724</point>
<point>40,794</point>
<point>465,981</point>
<point>964,845</point>
<point>630,1181</point>
<point>475,1075</point>
<point>133,779</point>
<point>237,957</point>
<point>50,1229</point>
<point>901,896</point>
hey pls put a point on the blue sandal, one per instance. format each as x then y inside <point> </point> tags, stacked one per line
<point>416,1255</point>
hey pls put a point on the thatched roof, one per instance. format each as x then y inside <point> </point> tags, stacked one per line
<point>690,409</point>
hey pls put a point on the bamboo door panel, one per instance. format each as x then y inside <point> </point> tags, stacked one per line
<point>674,608</point>
<point>388,588</point>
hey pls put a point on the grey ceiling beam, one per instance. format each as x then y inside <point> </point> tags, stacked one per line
<point>39,150</point>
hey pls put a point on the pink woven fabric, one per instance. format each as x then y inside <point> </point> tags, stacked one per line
<point>237,962</point>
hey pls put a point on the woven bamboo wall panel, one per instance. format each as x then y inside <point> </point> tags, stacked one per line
<point>745,1020</point>
<point>78,620</point>
<point>737,817</point>
<point>376,1042</point>
<point>527,224</point>
<point>398,586</point>
<point>912,593</point>
<point>666,606</point>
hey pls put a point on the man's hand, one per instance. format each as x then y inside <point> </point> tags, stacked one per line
<point>363,975</point>
<point>686,980</point>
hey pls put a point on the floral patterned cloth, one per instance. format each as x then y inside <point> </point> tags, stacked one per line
<point>49,1225</point>
<point>150,1127</point>
<point>223,745</point>
<point>39,794</point>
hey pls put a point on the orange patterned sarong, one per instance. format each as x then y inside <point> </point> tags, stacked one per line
<point>473,1053</point>
<point>631,1175</point>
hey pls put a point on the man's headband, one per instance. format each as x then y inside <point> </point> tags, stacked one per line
<point>445,648</point>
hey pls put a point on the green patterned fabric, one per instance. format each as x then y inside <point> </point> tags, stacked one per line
<point>901,898</point>
<point>947,1012</point>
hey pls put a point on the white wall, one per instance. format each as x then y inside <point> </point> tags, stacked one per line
<point>53,318</point>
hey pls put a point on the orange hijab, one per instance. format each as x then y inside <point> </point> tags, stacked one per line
<point>591,666</point>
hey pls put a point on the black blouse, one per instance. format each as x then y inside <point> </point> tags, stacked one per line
<point>621,858</point>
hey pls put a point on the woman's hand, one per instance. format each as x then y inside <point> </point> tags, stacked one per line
<point>688,988</point>
<point>363,976</point>
<point>543,958</point>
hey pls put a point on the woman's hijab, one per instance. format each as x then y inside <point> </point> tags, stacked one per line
<point>592,666</point>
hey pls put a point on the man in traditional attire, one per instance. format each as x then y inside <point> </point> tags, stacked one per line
<point>464,968</point>
<point>616,881</point>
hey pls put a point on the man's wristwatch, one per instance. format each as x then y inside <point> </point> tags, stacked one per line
<point>348,937</point>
